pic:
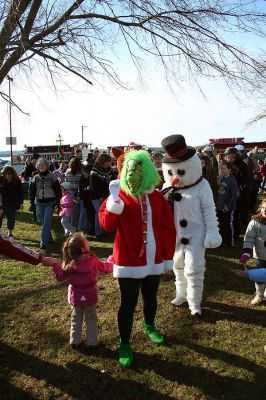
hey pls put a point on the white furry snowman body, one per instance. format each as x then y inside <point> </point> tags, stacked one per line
<point>196,229</point>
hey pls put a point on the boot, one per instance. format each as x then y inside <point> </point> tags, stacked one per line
<point>154,335</point>
<point>178,301</point>
<point>125,355</point>
<point>258,298</point>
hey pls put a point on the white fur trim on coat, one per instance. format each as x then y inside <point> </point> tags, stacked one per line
<point>115,207</point>
<point>138,272</point>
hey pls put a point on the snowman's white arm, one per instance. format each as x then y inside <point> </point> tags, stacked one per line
<point>208,208</point>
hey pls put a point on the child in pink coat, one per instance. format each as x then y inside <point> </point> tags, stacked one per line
<point>80,268</point>
<point>67,204</point>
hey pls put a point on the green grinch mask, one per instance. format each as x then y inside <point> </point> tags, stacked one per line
<point>134,175</point>
<point>138,175</point>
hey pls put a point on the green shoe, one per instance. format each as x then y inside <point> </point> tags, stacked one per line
<point>154,335</point>
<point>125,355</point>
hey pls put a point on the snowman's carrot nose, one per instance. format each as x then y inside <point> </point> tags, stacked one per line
<point>175,181</point>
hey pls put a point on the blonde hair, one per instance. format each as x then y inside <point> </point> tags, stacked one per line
<point>260,205</point>
<point>257,216</point>
<point>72,249</point>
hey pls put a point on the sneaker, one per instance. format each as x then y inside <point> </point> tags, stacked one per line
<point>125,355</point>
<point>258,298</point>
<point>43,247</point>
<point>154,335</point>
<point>178,301</point>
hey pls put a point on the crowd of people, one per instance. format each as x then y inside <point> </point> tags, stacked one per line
<point>80,192</point>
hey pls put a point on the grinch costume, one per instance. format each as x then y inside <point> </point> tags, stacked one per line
<point>144,243</point>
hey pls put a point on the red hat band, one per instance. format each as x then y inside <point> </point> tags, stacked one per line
<point>178,153</point>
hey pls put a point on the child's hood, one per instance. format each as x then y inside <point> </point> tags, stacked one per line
<point>84,262</point>
<point>67,195</point>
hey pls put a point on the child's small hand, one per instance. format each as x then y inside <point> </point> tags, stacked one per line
<point>111,259</point>
<point>244,258</point>
<point>49,261</point>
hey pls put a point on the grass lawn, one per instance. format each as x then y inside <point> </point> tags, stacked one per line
<point>219,357</point>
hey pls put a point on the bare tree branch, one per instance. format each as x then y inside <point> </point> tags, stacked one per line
<point>9,100</point>
<point>191,39</point>
<point>259,117</point>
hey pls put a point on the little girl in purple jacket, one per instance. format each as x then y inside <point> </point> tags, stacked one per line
<point>80,268</point>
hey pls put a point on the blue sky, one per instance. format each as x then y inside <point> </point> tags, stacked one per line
<point>144,115</point>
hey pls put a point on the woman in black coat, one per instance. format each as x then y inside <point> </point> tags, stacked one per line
<point>11,191</point>
<point>241,173</point>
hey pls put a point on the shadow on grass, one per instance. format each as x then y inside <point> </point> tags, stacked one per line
<point>224,279</point>
<point>76,379</point>
<point>24,216</point>
<point>12,392</point>
<point>228,358</point>
<point>11,299</point>
<point>210,383</point>
<point>220,311</point>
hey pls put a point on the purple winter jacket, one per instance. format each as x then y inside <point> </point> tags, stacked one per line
<point>67,205</point>
<point>82,289</point>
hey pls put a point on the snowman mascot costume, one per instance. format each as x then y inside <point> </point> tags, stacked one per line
<point>192,202</point>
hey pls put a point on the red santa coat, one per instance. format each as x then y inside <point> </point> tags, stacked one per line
<point>10,248</point>
<point>126,217</point>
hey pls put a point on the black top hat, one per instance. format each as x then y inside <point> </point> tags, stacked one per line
<point>176,149</point>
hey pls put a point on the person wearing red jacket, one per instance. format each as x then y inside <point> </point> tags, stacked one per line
<point>144,244</point>
<point>10,248</point>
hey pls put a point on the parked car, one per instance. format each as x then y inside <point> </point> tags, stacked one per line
<point>18,167</point>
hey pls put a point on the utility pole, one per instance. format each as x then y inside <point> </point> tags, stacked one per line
<point>59,140</point>
<point>82,129</point>
<point>10,117</point>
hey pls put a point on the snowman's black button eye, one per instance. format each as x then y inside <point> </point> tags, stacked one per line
<point>180,172</point>
<point>170,172</point>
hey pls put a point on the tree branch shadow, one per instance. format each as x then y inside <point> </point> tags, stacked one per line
<point>75,379</point>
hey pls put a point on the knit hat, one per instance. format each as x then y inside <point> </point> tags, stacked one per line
<point>207,149</point>
<point>66,185</point>
<point>240,147</point>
